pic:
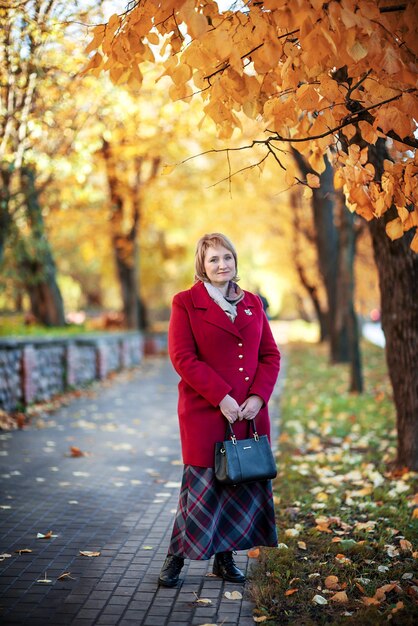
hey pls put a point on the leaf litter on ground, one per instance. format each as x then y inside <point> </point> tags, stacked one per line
<point>343,509</point>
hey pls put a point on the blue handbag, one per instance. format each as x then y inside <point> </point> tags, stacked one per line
<point>244,460</point>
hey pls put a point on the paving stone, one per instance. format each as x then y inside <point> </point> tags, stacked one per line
<point>105,502</point>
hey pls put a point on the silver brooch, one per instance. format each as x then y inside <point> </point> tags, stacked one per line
<point>248,312</point>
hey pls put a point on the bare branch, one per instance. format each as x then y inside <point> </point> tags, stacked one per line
<point>243,169</point>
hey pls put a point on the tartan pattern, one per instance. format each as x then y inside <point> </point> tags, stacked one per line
<point>214,518</point>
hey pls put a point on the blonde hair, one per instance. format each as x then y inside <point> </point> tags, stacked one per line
<point>209,241</point>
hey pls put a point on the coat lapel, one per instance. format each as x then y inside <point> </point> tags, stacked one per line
<point>246,315</point>
<point>213,312</point>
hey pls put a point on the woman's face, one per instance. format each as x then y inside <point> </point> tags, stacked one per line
<point>219,265</point>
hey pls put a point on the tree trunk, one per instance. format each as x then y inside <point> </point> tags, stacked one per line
<point>398,277</point>
<point>38,271</point>
<point>125,252</point>
<point>5,218</point>
<point>346,324</point>
<point>310,288</point>
<point>124,242</point>
<point>327,243</point>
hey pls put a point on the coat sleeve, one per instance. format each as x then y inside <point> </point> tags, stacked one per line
<point>183,354</point>
<point>268,364</point>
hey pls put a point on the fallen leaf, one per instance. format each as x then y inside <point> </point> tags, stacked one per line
<point>23,551</point>
<point>290,592</point>
<point>331,582</point>
<point>382,591</point>
<point>383,568</point>
<point>302,545</point>
<point>44,580</point>
<point>413,592</point>
<point>291,532</point>
<point>406,546</point>
<point>392,551</point>
<point>370,601</point>
<point>340,596</point>
<point>76,452</point>
<point>5,556</point>
<point>233,595</point>
<point>204,601</point>
<point>319,599</point>
<point>88,553</point>
<point>254,553</point>
<point>260,619</point>
<point>47,535</point>
<point>398,607</point>
<point>341,558</point>
<point>147,548</point>
<point>65,575</point>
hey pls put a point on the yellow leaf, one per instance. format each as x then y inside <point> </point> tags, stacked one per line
<point>302,545</point>
<point>88,553</point>
<point>167,169</point>
<point>414,247</point>
<point>197,25</point>
<point>405,545</point>
<point>204,601</point>
<point>23,551</point>
<point>313,181</point>
<point>307,97</point>
<point>260,618</point>
<point>98,35</point>
<point>65,575</point>
<point>370,601</point>
<point>368,133</point>
<point>153,39</point>
<point>340,596</point>
<point>357,51</point>
<point>394,228</point>
<point>233,595</point>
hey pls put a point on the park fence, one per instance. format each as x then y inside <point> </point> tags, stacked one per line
<point>36,369</point>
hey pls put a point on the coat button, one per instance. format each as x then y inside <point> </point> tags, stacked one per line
<point>241,369</point>
<point>240,345</point>
<point>240,356</point>
<point>247,378</point>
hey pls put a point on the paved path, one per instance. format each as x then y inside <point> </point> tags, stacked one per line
<point>118,500</point>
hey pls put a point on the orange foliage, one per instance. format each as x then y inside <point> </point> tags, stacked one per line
<point>320,74</point>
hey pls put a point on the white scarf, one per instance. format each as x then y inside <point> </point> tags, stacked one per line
<point>230,307</point>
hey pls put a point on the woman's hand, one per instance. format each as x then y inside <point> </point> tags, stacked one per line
<point>230,409</point>
<point>251,407</point>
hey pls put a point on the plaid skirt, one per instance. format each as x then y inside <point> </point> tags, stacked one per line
<point>214,518</point>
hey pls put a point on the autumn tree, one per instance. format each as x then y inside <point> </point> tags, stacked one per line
<point>29,33</point>
<point>339,74</point>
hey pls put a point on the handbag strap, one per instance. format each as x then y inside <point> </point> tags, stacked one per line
<point>229,431</point>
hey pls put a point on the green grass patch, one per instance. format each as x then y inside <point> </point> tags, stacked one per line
<point>342,511</point>
<point>14,327</point>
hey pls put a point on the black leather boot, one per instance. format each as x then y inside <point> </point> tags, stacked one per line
<point>170,571</point>
<point>224,566</point>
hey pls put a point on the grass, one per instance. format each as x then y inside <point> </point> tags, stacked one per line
<point>14,326</point>
<point>342,511</point>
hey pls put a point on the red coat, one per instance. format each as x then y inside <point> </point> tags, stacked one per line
<point>215,357</point>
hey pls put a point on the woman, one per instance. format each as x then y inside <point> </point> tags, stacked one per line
<point>221,345</point>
